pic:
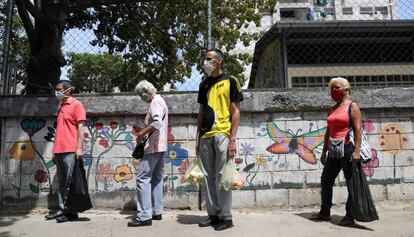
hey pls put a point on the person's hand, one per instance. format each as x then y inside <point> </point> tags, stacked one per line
<point>323,158</point>
<point>232,148</point>
<point>356,156</point>
<point>79,153</point>
<point>140,138</point>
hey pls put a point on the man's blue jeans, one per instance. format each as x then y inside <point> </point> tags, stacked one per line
<point>65,163</point>
<point>150,186</point>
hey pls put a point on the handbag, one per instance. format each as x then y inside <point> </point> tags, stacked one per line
<point>366,154</point>
<point>138,152</point>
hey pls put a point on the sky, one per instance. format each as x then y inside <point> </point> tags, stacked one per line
<point>78,41</point>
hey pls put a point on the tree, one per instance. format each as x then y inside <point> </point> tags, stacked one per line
<point>98,73</point>
<point>163,37</point>
<point>19,47</point>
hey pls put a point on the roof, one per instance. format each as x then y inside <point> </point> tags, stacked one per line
<point>313,29</point>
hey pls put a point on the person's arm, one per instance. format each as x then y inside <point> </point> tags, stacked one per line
<point>356,126</point>
<point>235,119</point>
<point>79,147</point>
<point>199,121</point>
<point>325,146</point>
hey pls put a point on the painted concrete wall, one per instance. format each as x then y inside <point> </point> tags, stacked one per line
<point>268,117</point>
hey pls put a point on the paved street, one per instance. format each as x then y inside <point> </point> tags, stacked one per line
<point>396,219</point>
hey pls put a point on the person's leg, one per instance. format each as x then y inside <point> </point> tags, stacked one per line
<point>347,169</point>
<point>61,174</point>
<point>330,172</point>
<point>144,175</point>
<point>221,143</point>
<point>157,184</point>
<point>207,158</point>
<point>68,160</point>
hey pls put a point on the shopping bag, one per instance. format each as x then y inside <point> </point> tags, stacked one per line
<point>362,204</point>
<point>78,199</point>
<point>231,177</point>
<point>194,174</point>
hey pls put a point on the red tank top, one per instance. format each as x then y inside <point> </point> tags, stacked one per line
<point>338,122</point>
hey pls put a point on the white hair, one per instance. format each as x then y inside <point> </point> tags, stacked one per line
<point>147,85</point>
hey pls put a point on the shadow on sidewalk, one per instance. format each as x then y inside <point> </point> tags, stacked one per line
<point>335,219</point>
<point>190,219</point>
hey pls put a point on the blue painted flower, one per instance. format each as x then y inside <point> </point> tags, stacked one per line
<point>122,127</point>
<point>105,129</point>
<point>89,123</point>
<point>246,149</point>
<point>87,159</point>
<point>175,154</point>
<point>31,126</point>
<point>130,146</point>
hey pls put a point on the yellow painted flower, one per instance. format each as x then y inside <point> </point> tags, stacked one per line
<point>22,150</point>
<point>261,160</point>
<point>122,173</point>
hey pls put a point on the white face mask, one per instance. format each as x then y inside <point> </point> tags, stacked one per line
<point>208,67</point>
<point>60,94</point>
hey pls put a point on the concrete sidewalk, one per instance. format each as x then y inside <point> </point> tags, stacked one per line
<point>396,219</point>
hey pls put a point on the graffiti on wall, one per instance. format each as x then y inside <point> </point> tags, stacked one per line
<point>393,139</point>
<point>289,142</point>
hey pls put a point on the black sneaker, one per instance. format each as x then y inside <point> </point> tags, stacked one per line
<point>211,221</point>
<point>157,217</point>
<point>136,223</point>
<point>223,225</point>
<point>67,217</point>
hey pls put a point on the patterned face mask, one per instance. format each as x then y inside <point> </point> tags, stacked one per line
<point>208,67</point>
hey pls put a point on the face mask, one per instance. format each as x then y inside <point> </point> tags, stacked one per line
<point>145,97</point>
<point>208,67</point>
<point>337,94</point>
<point>60,94</point>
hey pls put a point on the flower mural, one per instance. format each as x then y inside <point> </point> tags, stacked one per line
<point>393,139</point>
<point>175,154</point>
<point>123,173</point>
<point>369,126</point>
<point>182,169</point>
<point>369,167</point>
<point>40,176</point>
<point>32,126</point>
<point>106,136</point>
<point>22,150</point>
<point>105,175</point>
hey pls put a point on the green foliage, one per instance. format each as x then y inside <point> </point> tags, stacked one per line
<point>166,37</point>
<point>19,45</point>
<point>98,73</point>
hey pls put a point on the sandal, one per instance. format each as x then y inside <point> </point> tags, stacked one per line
<point>346,221</point>
<point>319,217</point>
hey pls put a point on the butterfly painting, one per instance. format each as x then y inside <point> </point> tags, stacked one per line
<point>289,142</point>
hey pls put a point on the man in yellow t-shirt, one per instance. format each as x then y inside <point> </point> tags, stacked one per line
<point>219,97</point>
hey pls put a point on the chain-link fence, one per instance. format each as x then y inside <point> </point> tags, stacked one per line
<point>108,46</point>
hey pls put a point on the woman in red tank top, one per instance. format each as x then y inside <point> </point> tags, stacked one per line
<point>341,151</point>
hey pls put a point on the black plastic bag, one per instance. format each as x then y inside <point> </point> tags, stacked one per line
<point>362,204</point>
<point>78,199</point>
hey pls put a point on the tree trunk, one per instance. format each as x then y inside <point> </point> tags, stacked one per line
<point>46,58</point>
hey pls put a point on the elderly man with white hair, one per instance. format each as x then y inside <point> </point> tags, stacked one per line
<point>150,169</point>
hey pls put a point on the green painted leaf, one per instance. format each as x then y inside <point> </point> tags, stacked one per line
<point>50,164</point>
<point>128,137</point>
<point>249,167</point>
<point>34,188</point>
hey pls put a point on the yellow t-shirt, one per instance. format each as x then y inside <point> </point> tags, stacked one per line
<point>216,94</point>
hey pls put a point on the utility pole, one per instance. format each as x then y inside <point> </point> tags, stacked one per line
<point>210,43</point>
<point>6,50</point>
